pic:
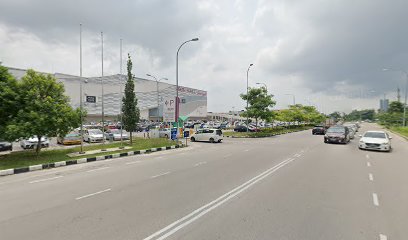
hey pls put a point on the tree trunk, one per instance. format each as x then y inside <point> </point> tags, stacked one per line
<point>38,148</point>
<point>131,138</point>
<point>256,123</point>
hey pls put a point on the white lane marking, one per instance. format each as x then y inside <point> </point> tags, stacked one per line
<point>93,194</point>
<point>160,157</point>
<point>297,155</point>
<point>371,177</point>
<point>368,164</point>
<point>46,179</point>
<point>383,237</point>
<point>367,156</point>
<point>196,214</point>
<point>134,162</point>
<point>375,199</point>
<point>246,150</point>
<point>228,155</point>
<point>200,163</point>
<point>159,175</point>
<point>97,169</point>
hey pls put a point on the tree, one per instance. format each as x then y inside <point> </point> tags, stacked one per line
<point>8,99</point>
<point>44,109</point>
<point>130,111</point>
<point>259,104</point>
<point>335,115</point>
<point>396,107</point>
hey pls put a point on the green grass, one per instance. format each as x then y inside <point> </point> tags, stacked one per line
<point>268,132</point>
<point>29,157</point>
<point>401,130</point>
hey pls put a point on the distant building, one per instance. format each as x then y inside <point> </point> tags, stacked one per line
<point>384,105</point>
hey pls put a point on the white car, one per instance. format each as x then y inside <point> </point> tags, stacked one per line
<point>352,131</point>
<point>32,142</point>
<point>375,140</point>
<point>164,132</point>
<point>115,134</point>
<point>210,135</point>
<point>93,135</point>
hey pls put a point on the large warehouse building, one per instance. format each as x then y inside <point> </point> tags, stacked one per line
<point>150,94</point>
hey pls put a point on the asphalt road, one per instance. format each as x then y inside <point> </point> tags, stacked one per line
<point>287,187</point>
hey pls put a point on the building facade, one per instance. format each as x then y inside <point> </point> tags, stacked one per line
<point>150,95</point>
<point>384,105</point>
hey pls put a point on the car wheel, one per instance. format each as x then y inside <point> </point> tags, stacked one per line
<point>219,140</point>
<point>166,136</point>
<point>192,139</point>
<point>211,140</point>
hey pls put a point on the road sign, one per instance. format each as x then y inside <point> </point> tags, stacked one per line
<point>173,133</point>
<point>186,134</point>
<point>169,109</point>
<point>91,99</point>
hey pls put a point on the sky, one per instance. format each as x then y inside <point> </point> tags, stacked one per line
<point>330,54</point>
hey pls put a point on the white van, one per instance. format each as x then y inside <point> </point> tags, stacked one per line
<point>210,135</point>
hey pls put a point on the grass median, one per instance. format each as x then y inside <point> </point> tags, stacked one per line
<point>29,157</point>
<point>267,132</point>
<point>401,130</point>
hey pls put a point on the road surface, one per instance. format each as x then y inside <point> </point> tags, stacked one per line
<point>286,187</point>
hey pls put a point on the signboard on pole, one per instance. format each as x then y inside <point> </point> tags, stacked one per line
<point>91,99</point>
<point>173,133</point>
<point>169,110</point>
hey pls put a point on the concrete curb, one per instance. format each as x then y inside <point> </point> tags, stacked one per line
<point>399,134</point>
<point>12,171</point>
<point>272,135</point>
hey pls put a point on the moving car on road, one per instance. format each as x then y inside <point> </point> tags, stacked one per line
<point>210,135</point>
<point>320,130</point>
<point>337,134</point>
<point>375,140</point>
<point>5,146</point>
<point>69,139</point>
<point>93,135</point>
<point>32,142</point>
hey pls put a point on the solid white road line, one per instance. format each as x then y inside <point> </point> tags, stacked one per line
<point>97,169</point>
<point>93,194</point>
<point>368,164</point>
<point>159,175</point>
<point>375,199</point>
<point>371,177</point>
<point>196,214</point>
<point>134,162</point>
<point>46,179</point>
<point>383,237</point>
<point>297,155</point>
<point>200,163</point>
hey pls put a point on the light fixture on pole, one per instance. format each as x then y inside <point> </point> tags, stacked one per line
<point>157,89</point>
<point>247,87</point>
<point>177,85</point>
<point>404,118</point>
<point>103,113</point>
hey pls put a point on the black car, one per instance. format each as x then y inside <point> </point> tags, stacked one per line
<point>240,128</point>
<point>5,146</point>
<point>337,134</point>
<point>318,130</point>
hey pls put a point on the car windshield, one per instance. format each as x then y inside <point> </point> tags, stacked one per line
<point>115,131</point>
<point>336,130</point>
<point>374,135</point>
<point>72,135</point>
<point>95,131</point>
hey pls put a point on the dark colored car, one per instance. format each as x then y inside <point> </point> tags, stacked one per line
<point>240,128</point>
<point>318,130</point>
<point>5,146</point>
<point>337,134</point>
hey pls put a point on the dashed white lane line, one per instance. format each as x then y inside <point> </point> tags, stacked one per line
<point>383,237</point>
<point>367,156</point>
<point>228,155</point>
<point>375,199</point>
<point>134,162</point>
<point>371,177</point>
<point>368,164</point>
<point>97,169</point>
<point>93,194</point>
<point>200,163</point>
<point>46,179</point>
<point>159,175</point>
<point>246,150</point>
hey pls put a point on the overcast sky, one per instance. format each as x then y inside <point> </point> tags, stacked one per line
<point>329,53</point>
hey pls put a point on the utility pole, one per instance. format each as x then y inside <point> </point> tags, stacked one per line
<point>103,113</point>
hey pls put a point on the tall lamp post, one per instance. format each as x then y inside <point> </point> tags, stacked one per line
<point>103,112</point>
<point>157,89</point>
<point>120,97</point>
<point>293,96</point>
<point>177,85</point>
<point>404,119</point>
<point>266,87</point>
<point>80,89</point>
<point>247,87</point>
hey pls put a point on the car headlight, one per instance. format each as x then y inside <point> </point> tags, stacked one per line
<point>385,144</point>
<point>362,142</point>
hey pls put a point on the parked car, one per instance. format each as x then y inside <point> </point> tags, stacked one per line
<point>240,128</point>
<point>5,146</point>
<point>32,142</point>
<point>375,140</point>
<point>210,135</point>
<point>114,134</point>
<point>70,139</point>
<point>93,135</point>
<point>337,134</point>
<point>164,132</point>
<point>320,130</point>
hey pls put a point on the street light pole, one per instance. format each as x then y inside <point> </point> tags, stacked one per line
<point>177,85</point>
<point>103,113</point>
<point>80,89</point>
<point>247,87</point>
<point>120,97</point>
<point>404,118</point>
<point>293,96</point>
<point>157,89</point>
